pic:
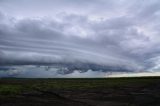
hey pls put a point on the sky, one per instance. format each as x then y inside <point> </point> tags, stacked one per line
<point>121,34</point>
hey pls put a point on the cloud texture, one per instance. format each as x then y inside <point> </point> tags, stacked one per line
<point>109,33</point>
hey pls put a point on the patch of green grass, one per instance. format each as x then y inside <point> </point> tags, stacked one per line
<point>11,86</point>
<point>10,89</point>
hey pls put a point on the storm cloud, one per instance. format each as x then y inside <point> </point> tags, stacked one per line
<point>110,33</point>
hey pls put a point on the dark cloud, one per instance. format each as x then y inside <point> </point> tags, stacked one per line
<point>107,33</point>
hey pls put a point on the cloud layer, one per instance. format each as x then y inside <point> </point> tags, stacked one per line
<point>108,33</point>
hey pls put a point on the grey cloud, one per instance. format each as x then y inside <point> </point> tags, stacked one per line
<point>119,34</point>
<point>53,42</point>
<point>32,71</point>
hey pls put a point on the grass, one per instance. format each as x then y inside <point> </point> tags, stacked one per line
<point>11,86</point>
<point>10,89</point>
<point>141,91</point>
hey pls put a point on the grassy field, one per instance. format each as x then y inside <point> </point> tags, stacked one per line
<point>141,91</point>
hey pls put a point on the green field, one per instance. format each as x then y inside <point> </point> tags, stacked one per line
<point>141,91</point>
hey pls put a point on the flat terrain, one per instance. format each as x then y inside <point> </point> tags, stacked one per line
<point>144,91</point>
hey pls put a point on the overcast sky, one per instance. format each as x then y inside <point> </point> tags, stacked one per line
<point>104,32</point>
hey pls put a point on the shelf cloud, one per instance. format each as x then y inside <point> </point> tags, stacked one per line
<point>106,33</point>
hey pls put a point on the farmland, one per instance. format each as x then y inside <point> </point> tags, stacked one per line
<point>141,91</point>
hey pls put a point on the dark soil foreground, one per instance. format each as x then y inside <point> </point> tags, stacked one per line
<point>144,91</point>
